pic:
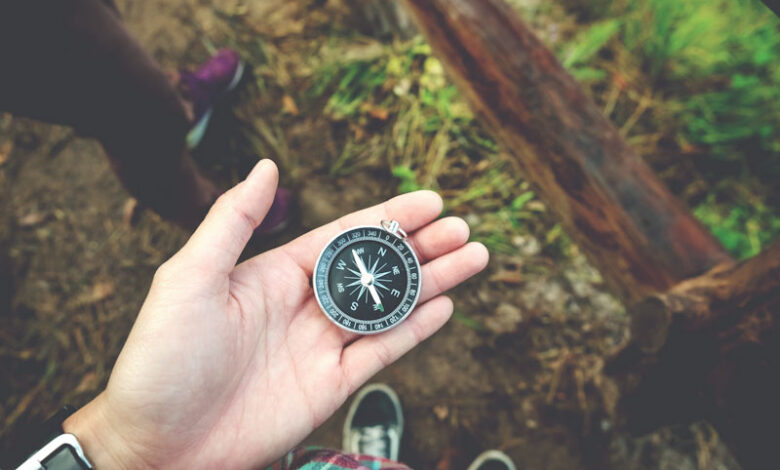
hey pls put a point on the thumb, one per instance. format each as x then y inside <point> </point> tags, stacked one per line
<point>219,240</point>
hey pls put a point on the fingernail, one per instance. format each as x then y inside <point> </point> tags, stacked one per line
<point>262,164</point>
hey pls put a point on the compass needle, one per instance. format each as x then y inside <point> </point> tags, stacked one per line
<point>375,295</point>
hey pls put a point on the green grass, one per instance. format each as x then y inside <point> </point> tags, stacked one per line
<point>744,230</point>
<point>725,57</point>
<point>468,321</point>
<point>424,135</point>
<point>585,46</point>
<point>713,69</point>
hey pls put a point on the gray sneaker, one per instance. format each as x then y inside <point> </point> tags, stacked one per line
<point>374,423</point>
<point>492,460</point>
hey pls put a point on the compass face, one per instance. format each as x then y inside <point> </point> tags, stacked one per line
<point>367,280</point>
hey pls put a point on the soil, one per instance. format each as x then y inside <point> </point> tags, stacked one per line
<point>519,368</point>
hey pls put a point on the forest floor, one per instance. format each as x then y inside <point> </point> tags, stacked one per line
<point>520,366</point>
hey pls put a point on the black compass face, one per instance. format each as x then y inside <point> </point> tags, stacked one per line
<point>351,290</point>
<point>367,280</point>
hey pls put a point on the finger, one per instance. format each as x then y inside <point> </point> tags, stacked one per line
<point>446,272</point>
<point>412,211</point>
<point>221,237</point>
<point>439,238</point>
<point>370,354</point>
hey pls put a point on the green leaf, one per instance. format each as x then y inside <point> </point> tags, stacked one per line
<point>466,320</point>
<point>588,74</point>
<point>521,200</point>
<point>408,179</point>
<point>588,43</point>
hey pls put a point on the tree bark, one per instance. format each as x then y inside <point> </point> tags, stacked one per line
<point>383,19</point>
<point>723,296</point>
<point>637,233</point>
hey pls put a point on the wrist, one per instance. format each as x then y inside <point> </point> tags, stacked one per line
<point>98,435</point>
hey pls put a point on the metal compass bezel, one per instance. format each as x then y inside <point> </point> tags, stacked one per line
<point>321,275</point>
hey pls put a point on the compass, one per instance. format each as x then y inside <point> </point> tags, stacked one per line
<point>367,279</point>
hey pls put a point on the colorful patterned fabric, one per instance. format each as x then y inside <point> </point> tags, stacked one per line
<point>317,458</point>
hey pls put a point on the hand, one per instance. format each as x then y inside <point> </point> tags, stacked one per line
<point>230,366</point>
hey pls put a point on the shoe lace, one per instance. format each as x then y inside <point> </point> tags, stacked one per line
<point>374,441</point>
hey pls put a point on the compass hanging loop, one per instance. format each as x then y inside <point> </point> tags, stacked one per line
<point>394,227</point>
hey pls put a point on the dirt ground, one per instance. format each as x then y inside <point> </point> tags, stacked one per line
<point>519,368</point>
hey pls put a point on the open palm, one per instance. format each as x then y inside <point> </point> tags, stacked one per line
<point>230,366</point>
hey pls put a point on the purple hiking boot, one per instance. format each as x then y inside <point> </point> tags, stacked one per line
<point>278,215</point>
<point>207,85</point>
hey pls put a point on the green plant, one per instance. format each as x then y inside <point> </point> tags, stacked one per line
<point>742,229</point>
<point>721,60</point>
<point>581,50</point>
<point>713,70</point>
<point>358,83</point>
<point>467,321</point>
<point>744,112</point>
<point>408,179</point>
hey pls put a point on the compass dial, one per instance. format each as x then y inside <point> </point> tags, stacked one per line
<point>367,280</point>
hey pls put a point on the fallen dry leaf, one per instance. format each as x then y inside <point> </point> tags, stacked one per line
<point>130,212</point>
<point>510,277</point>
<point>379,113</point>
<point>288,105</point>
<point>31,219</point>
<point>87,383</point>
<point>99,291</point>
<point>5,150</point>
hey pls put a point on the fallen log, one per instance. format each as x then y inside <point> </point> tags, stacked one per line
<point>704,329</point>
<point>633,229</point>
<point>722,299</point>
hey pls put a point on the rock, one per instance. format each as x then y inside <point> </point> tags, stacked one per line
<point>604,304</point>
<point>505,319</point>
<point>473,220</point>
<point>553,293</point>
<point>528,245</point>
